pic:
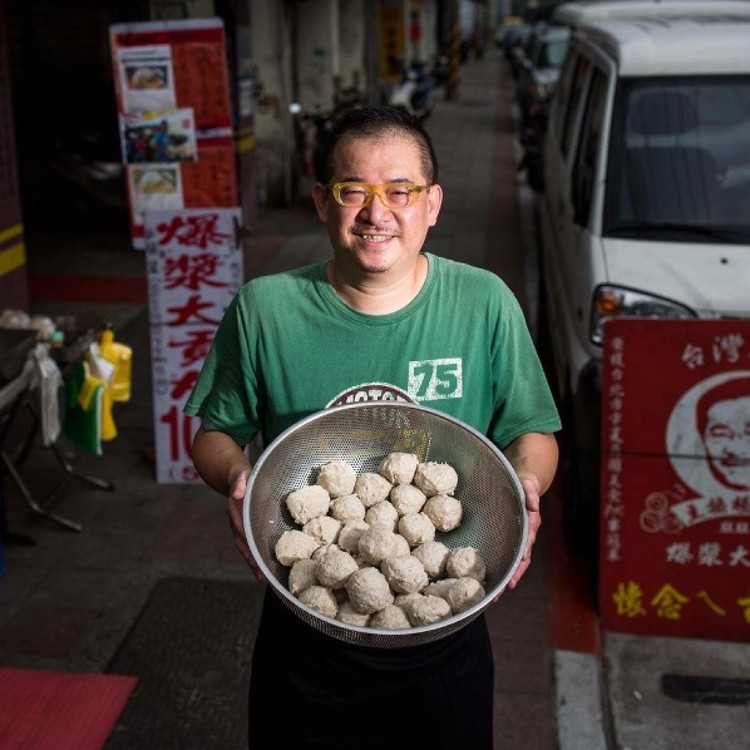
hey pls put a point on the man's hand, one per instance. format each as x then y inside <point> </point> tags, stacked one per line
<point>535,521</point>
<point>234,511</point>
<point>534,458</point>
<point>225,468</point>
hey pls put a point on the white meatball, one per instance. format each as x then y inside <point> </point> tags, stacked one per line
<point>337,477</point>
<point>321,599</point>
<point>347,508</point>
<point>323,528</point>
<point>382,513</point>
<point>433,556</point>
<point>294,545</point>
<point>308,502</point>
<point>416,528</point>
<point>444,511</point>
<point>402,600</point>
<point>440,588</point>
<point>407,498</point>
<point>334,568</point>
<point>399,468</point>
<point>466,561</point>
<point>435,478</point>
<point>404,574</point>
<point>402,546</point>
<point>349,535</point>
<point>302,576</point>
<point>368,590</point>
<point>322,550</point>
<point>375,544</point>
<point>426,610</point>
<point>372,488</point>
<point>464,593</point>
<point>350,616</point>
<point>390,617</point>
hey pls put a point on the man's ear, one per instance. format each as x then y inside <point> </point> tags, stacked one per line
<point>434,202</point>
<point>320,199</point>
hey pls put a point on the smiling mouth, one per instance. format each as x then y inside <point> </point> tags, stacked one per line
<point>376,237</point>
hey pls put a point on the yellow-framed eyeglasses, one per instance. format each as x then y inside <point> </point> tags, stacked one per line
<point>391,194</point>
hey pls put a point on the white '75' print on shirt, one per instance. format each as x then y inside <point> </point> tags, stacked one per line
<point>432,379</point>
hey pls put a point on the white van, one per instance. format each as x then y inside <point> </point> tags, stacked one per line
<point>645,209</point>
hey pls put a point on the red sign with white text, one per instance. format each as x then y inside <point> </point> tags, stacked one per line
<point>675,479</point>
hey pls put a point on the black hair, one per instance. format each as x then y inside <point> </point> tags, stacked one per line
<point>371,122</point>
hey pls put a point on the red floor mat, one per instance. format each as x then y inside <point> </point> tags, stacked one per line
<point>40,710</point>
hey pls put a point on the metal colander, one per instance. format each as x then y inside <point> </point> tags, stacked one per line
<point>494,518</point>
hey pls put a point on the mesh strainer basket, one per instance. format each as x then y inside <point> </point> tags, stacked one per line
<point>494,518</point>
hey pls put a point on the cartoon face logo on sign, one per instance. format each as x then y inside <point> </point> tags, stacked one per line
<point>723,418</point>
<point>708,441</point>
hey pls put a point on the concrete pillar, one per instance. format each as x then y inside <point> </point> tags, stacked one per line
<point>353,44</point>
<point>275,153</point>
<point>422,31</point>
<point>317,52</point>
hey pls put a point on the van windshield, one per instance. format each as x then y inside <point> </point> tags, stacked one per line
<point>679,160</point>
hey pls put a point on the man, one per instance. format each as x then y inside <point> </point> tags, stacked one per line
<point>383,318</point>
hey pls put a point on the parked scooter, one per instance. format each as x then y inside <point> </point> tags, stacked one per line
<point>416,92</point>
<point>312,127</point>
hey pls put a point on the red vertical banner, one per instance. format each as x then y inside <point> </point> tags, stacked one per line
<point>675,479</point>
<point>167,74</point>
<point>195,269</point>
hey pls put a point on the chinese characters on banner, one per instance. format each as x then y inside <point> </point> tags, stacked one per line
<point>195,268</point>
<point>675,479</point>
<point>174,106</point>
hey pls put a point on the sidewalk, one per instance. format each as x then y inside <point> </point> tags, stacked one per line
<point>77,602</point>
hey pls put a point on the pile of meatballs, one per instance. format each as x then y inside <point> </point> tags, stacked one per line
<point>365,551</point>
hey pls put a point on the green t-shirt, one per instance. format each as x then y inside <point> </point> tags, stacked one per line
<point>288,346</point>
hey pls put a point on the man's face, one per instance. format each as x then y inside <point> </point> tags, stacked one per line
<point>376,239</point>
<point>727,438</point>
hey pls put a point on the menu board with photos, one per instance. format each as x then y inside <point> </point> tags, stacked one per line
<point>174,105</point>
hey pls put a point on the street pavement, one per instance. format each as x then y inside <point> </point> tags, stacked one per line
<point>68,598</point>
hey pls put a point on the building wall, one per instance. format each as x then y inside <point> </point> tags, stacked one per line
<point>273,96</point>
<point>316,48</point>
<point>13,282</point>
<point>352,44</point>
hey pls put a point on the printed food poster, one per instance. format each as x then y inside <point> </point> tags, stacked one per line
<point>158,137</point>
<point>154,187</point>
<point>675,478</point>
<point>146,78</point>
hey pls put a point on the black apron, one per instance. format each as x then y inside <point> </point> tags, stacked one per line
<point>309,690</point>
